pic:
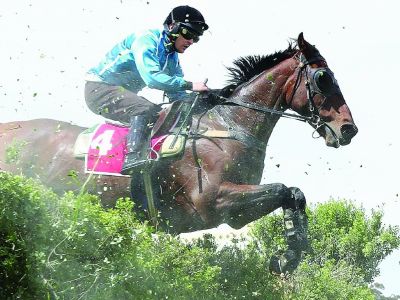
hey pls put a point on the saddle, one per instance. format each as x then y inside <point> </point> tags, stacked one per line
<point>170,118</point>
<point>169,133</point>
<point>175,120</point>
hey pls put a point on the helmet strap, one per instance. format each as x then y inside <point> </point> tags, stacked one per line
<point>170,40</point>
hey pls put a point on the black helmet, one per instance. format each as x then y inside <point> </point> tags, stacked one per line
<point>187,16</point>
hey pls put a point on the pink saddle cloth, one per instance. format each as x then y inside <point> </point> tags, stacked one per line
<point>107,149</point>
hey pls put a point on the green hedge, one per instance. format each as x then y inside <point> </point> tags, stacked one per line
<point>72,248</point>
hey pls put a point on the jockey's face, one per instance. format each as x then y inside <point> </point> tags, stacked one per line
<point>181,44</point>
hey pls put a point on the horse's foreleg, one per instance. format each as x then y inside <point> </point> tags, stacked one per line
<point>296,224</point>
<point>238,205</point>
<point>295,220</point>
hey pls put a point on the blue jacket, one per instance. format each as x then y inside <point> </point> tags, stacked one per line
<point>143,59</point>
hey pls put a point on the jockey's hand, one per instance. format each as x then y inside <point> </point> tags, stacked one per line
<point>200,87</point>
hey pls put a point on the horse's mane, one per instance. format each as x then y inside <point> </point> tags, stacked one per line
<point>249,66</point>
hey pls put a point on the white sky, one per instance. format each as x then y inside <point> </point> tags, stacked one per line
<point>47,46</point>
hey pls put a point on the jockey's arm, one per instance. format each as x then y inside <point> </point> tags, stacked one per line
<point>152,72</point>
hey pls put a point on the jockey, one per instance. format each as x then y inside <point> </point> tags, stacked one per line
<point>149,58</point>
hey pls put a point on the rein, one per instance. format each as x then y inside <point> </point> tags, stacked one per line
<point>240,102</point>
<point>312,90</point>
<point>314,119</point>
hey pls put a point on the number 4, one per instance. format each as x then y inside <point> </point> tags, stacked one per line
<point>103,142</point>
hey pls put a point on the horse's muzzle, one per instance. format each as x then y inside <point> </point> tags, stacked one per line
<point>348,131</point>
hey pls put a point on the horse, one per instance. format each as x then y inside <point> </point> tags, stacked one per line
<point>217,179</point>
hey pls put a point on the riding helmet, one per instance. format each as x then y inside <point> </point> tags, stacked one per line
<point>186,16</point>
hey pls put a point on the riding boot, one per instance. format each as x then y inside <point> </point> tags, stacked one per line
<point>137,143</point>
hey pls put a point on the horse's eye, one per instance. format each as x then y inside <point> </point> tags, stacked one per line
<point>324,81</point>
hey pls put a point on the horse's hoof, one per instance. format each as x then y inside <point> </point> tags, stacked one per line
<point>284,263</point>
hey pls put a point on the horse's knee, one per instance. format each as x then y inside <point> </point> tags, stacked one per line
<point>298,198</point>
<point>278,190</point>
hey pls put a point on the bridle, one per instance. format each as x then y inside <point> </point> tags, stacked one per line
<point>318,81</point>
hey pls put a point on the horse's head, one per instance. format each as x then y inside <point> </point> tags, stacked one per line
<point>313,91</point>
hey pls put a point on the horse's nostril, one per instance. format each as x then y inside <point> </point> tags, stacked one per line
<point>348,131</point>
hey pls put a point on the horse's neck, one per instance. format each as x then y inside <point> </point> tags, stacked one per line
<point>248,121</point>
<point>266,90</point>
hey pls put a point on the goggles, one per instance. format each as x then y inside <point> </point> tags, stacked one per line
<point>188,34</point>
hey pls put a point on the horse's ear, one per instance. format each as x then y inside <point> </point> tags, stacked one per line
<point>301,42</point>
<point>305,47</point>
